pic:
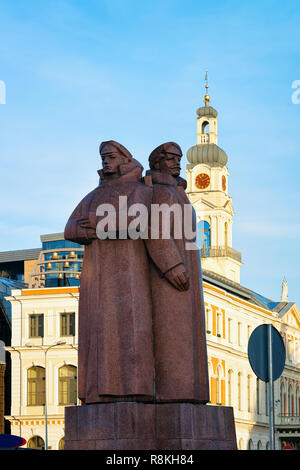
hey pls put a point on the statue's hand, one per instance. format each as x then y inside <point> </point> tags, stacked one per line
<point>178,278</point>
<point>91,233</point>
<point>84,222</point>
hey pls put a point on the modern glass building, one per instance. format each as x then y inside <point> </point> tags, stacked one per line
<point>59,263</point>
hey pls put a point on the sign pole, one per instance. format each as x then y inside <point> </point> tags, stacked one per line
<point>271,388</point>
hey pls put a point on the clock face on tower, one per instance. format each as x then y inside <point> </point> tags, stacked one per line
<point>224,183</point>
<point>202,180</point>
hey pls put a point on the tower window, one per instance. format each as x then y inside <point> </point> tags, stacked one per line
<point>204,237</point>
<point>205,127</point>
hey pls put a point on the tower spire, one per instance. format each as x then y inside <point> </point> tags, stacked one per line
<point>284,291</point>
<point>206,97</point>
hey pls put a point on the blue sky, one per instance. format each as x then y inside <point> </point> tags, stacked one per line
<point>83,71</point>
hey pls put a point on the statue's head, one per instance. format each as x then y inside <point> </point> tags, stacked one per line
<point>113,155</point>
<point>166,158</point>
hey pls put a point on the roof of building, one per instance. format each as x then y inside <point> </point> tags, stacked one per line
<point>211,154</point>
<point>208,111</point>
<point>246,294</point>
<point>19,255</point>
<point>11,284</point>
<point>282,308</point>
<point>52,237</point>
<point>6,287</point>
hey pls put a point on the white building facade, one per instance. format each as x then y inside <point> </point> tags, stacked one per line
<point>44,363</point>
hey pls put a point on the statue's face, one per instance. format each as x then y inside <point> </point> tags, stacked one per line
<point>111,162</point>
<point>170,164</point>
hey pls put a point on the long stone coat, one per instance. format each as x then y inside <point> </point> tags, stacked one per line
<point>181,370</point>
<point>115,356</point>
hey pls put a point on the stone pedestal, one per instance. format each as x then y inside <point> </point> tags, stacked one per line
<point>148,426</point>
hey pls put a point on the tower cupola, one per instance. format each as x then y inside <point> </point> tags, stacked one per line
<point>207,149</point>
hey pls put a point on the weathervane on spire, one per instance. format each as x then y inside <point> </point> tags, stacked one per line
<point>206,97</point>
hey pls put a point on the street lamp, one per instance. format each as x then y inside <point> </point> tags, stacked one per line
<point>17,419</point>
<point>30,345</point>
<point>20,377</point>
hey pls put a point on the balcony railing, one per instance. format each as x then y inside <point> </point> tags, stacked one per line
<point>289,420</point>
<point>221,252</point>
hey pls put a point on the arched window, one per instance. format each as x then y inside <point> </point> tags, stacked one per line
<point>249,393</point>
<point>257,396</point>
<point>226,234</point>
<point>205,127</point>
<point>219,385</point>
<point>241,444</point>
<point>297,401</point>
<point>210,378</point>
<point>282,400</point>
<point>67,385</point>
<point>250,444</point>
<point>290,401</point>
<point>259,445</point>
<point>230,387</point>
<point>61,444</point>
<point>36,442</point>
<point>204,237</point>
<point>240,391</point>
<point>36,394</point>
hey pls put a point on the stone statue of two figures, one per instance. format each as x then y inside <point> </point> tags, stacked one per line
<point>141,309</point>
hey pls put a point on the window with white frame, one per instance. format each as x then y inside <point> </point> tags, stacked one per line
<point>239,332</point>
<point>249,382</point>
<point>230,387</point>
<point>240,391</point>
<point>229,323</point>
<point>36,392</point>
<point>36,325</point>
<point>208,320</point>
<point>219,324</point>
<point>219,385</point>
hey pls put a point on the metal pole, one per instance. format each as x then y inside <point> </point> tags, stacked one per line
<point>20,403</point>
<point>271,388</point>
<point>46,394</point>
<point>45,408</point>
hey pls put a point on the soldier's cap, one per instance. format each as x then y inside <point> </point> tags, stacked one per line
<point>159,152</point>
<point>110,146</point>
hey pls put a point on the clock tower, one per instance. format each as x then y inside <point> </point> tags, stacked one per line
<point>207,189</point>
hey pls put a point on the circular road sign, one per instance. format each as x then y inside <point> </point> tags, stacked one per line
<point>11,441</point>
<point>258,352</point>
